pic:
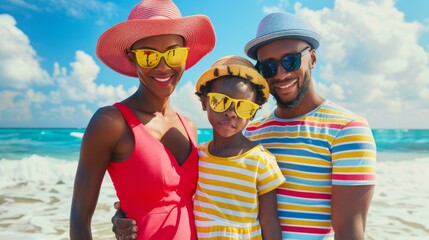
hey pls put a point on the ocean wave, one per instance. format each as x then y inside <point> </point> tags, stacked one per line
<point>37,169</point>
<point>77,134</point>
<point>403,174</point>
<point>35,199</point>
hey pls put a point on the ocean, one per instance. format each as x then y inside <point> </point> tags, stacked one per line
<point>37,168</point>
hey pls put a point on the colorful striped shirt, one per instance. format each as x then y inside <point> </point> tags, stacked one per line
<point>226,201</point>
<point>327,146</point>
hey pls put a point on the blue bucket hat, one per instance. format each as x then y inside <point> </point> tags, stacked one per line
<point>279,25</point>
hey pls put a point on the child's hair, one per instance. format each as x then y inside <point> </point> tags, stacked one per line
<point>234,67</point>
<point>260,99</point>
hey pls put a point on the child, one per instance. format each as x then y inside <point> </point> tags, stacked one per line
<point>235,197</point>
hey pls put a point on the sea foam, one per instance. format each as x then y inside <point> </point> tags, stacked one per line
<point>35,199</point>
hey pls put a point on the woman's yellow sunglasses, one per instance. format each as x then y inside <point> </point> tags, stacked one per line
<point>149,58</point>
<point>220,103</point>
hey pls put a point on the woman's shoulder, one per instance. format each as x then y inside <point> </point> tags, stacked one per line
<point>107,113</point>
<point>107,118</point>
<point>104,130</point>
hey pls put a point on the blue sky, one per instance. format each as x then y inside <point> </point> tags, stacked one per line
<point>374,58</point>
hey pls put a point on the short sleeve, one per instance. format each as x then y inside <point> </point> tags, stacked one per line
<point>269,175</point>
<point>354,155</point>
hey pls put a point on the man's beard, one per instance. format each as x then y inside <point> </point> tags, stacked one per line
<point>301,93</point>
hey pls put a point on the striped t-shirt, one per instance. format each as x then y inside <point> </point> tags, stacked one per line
<point>327,146</point>
<point>226,201</point>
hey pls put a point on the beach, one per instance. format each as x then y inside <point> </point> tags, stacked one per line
<point>36,191</point>
<point>400,209</point>
<point>40,209</point>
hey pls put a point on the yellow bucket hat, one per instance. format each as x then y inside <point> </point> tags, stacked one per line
<point>233,66</point>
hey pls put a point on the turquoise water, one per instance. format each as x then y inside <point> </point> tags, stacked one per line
<point>17,143</point>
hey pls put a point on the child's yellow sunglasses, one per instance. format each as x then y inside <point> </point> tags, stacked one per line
<point>220,103</point>
<point>149,58</point>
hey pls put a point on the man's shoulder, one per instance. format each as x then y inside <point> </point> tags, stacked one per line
<point>262,119</point>
<point>345,123</point>
<point>336,112</point>
<point>258,125</point>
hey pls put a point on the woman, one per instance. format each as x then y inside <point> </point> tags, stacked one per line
<point>142,140</point>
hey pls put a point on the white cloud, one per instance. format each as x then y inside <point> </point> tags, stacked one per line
<point>108,94</point>
<point>19,64</point>
<point>185,102</point>
<point>67,115</point>
<point>35,97</point>
<point>69,91</point>
<point>424,94</point>
<point>84,8</point>
<point>333,90</point>
<point>80,84</point>
<point>78,8</point>
<point>371,62</point>
<point>16,106</point>
<point>14,109</point>
<point>22,4</point>
<point>281,6</point>
<point>7,99</point>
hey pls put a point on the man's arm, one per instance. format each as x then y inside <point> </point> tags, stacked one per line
<point>349,210</point>
<point>353,179</point>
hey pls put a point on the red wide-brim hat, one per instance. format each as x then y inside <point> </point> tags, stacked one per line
<point>152,18</point>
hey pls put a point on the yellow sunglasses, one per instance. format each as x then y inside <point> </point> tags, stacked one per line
<point>149,58</point>
<point>220,103</point>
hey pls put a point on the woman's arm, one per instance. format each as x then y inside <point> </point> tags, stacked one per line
<point>97,148</point>
<point>268,217</point>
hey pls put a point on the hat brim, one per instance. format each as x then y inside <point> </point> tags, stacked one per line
<point>197,31</point>
<point>233,70</point>
<point>309,36</point>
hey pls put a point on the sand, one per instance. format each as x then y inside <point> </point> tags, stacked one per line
<point>40,209</point>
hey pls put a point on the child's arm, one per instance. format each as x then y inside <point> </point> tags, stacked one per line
<point>268,217</point>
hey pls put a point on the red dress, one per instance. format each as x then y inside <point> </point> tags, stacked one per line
<point>153,188</point>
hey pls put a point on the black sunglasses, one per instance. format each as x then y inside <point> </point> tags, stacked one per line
<point>290,62</point>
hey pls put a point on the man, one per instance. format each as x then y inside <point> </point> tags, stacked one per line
<point>326,152</point>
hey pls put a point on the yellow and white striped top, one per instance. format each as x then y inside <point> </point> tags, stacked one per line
<point>226,201</point>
